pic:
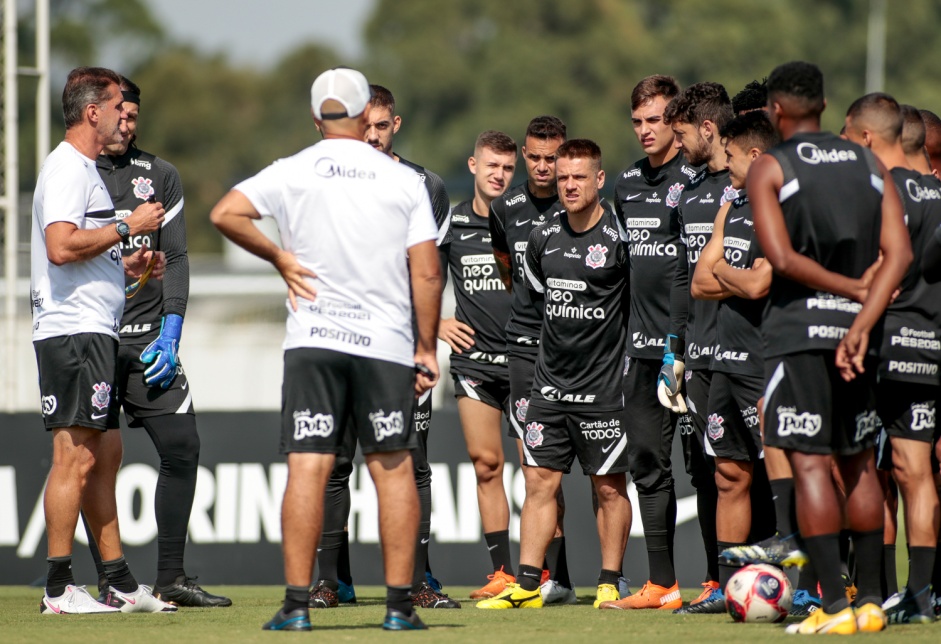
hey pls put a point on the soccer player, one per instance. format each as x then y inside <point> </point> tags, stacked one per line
<point>577,264</point>
<point>513,216</point>
<point>753,96</point>
<point>77,298</point>
<point>822,217</point>
<point>932,139</point>
<point>477,337</point>
<point>349,351</point>
<point>646,198</point>
<point>335,584</point>
<point>150,383</point>
<point>911,350</point>
<point>732,270</point>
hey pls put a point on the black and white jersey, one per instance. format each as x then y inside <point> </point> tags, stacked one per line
<point>482,302</point>
<point>738,321</point>
<point>646,200</point>
<point>911,345</point>
<point>76,297</point>
<point>132,179</point>
<point>440,202</point>
<point>512,217</point>
<point>582,278</point>
<point>699,204</point>
<point>832,204</point>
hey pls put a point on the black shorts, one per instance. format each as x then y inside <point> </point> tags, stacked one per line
<point>732,430</point>
<point>693,425</point>
<point>139,400</point>
<point>907,410</point>
<point>553,439</point>
<point>522,366</point>
<point>76,379</point>
<point>809,408</point>
<point>493,392</point>
<point>650,427</point>
<point>327,394</point>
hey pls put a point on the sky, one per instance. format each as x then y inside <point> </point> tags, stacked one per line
<point>260,32</point>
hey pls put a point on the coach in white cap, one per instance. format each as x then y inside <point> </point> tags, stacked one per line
<point>358,253</point>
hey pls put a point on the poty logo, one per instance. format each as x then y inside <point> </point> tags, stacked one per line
<point>522,406</point>
<point>597,255</point>
<point>810,153</point>
<point>534,436</point>
<point>867,423</point>
<point>49,404</point>
<point>922,417</point>
<point>673,195</point>
<point>102,396</point>
<point>386,424</point>
<point>306,425</point>
<point>330,169</point>
<point>790,422</point>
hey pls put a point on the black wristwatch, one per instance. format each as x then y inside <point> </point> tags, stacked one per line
<point>124,231</point>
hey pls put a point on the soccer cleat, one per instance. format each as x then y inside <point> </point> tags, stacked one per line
<point>513,597</point>
<point>870,618</point>
<point>322,596</point>
<point>544,577</point>
<point>713,604</point>
<point>555,593</point>
<point>606,593</point>
<point>649,596</point>
<point>776,551</point>
<point>892,601</point>
<point>396,620</point>
<point>297,620</point>
<point>936,602</point>
<point>496,585</point>
<point>75,600</point>
<point>804,603</point>
<point>842,623</point>
<point>428,597</point>
<point>141,600</point>
<point>623,589</point>
<point>708,588</point>
<point>346,593</point>
<point>433,582</point>
<point>186,592</point>
<point>906,611</point>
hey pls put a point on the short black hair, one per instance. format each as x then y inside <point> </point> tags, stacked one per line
<point>546,128</point>
<point>750,130</point>
<point>699,103</point>
<point>878,112</point>
<point>799,80</point>
<point>754,96</point>
<point>913,130</point>
<point>580,149</point>
<point>382,97</point>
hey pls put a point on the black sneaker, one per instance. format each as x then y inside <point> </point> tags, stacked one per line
<point>186,592</point>
<point>427,597</point>
<point>297,620</point>
<point>396,620</point>
<point>907,612</point>
<point>714,604</point>
<point>322,596</point>
<point>776,551</point>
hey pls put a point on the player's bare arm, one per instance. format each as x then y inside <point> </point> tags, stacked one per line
<point>504,268</point>
<point>705,286</point>
<point>233,217</point>
<point>65,243</point>
<point>457,334</point>
<point>425,275</point>
<point>765,179</point>
<point>752,284</point>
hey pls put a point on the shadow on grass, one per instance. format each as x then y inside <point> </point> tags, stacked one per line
<point>359,627</point>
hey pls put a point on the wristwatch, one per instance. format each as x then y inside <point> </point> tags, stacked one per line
<point>124,231</point>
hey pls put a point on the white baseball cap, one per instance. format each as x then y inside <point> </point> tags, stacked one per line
<point>344,85</point>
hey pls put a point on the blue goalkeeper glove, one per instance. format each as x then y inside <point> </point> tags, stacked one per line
<point>671,376</point>
<point>161,353</point>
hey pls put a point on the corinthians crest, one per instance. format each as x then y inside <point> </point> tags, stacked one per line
<point>143,189</point>
<point>673,195</point>
<point>534,434</point>
<point>102,396</point>
<point>596,256</point>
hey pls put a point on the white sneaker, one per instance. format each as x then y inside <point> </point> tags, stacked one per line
<point>892,601</point>
<point>73,601</point>
<point>141,600</point>
<point>622,587</point>
<point>555,593</point>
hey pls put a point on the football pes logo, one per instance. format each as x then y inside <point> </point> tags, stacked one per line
<point>143,189</point>
<point>534,434</point>
<point>102,396</point>
<point>673,195</point>
<point>597,255</point>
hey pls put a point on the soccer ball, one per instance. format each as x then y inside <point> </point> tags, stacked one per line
<point>758,593</point>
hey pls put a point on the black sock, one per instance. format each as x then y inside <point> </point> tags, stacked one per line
<point>399,598</point>
<point>424,531</point>
<point>846,555</point>
<point>725,570</point>
<point>177,443</point>
<point>890,577</point>
<point>868,556</point>
<point>919,579</point>
<point>654,507</point>
<point>328,555</point>
<point>334,560</point>
<point>936,575</point>
<point>671,524</point>
<point>119,575</point>
<point>58,575</point>
<point>528,577</point>
<point>763,510</point>
<point>96,556</point>
<point>807,579</point>
<point>343,563</point>
<point>557,562</point>
<point>824,552</point>
<point>421,557</point>
<point>295,597</point>
<point>785,517</point>
<point>609,577</point>
<point>498,543</point>
<point>706,498</point>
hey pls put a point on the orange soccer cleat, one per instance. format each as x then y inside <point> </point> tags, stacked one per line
<point>496,585</point>
<point>650,596</point>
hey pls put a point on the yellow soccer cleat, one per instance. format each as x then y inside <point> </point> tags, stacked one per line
<point>513,597</point>
<point>842,623</point>
<point>870,618</point>
<point>606,593</point>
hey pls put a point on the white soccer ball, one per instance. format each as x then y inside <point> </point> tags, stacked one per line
<point>758,593</point>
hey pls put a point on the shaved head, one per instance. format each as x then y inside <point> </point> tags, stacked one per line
<point>913,130</point>
<point>878,113</point>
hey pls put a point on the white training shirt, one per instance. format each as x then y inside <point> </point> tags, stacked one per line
<point>348,213</point>
<point>77,297</point>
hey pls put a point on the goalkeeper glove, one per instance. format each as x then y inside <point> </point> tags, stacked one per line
<point>161,353</point>
<point>671,376</point>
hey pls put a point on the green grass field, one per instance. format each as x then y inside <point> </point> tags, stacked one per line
<point>20,621</point>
